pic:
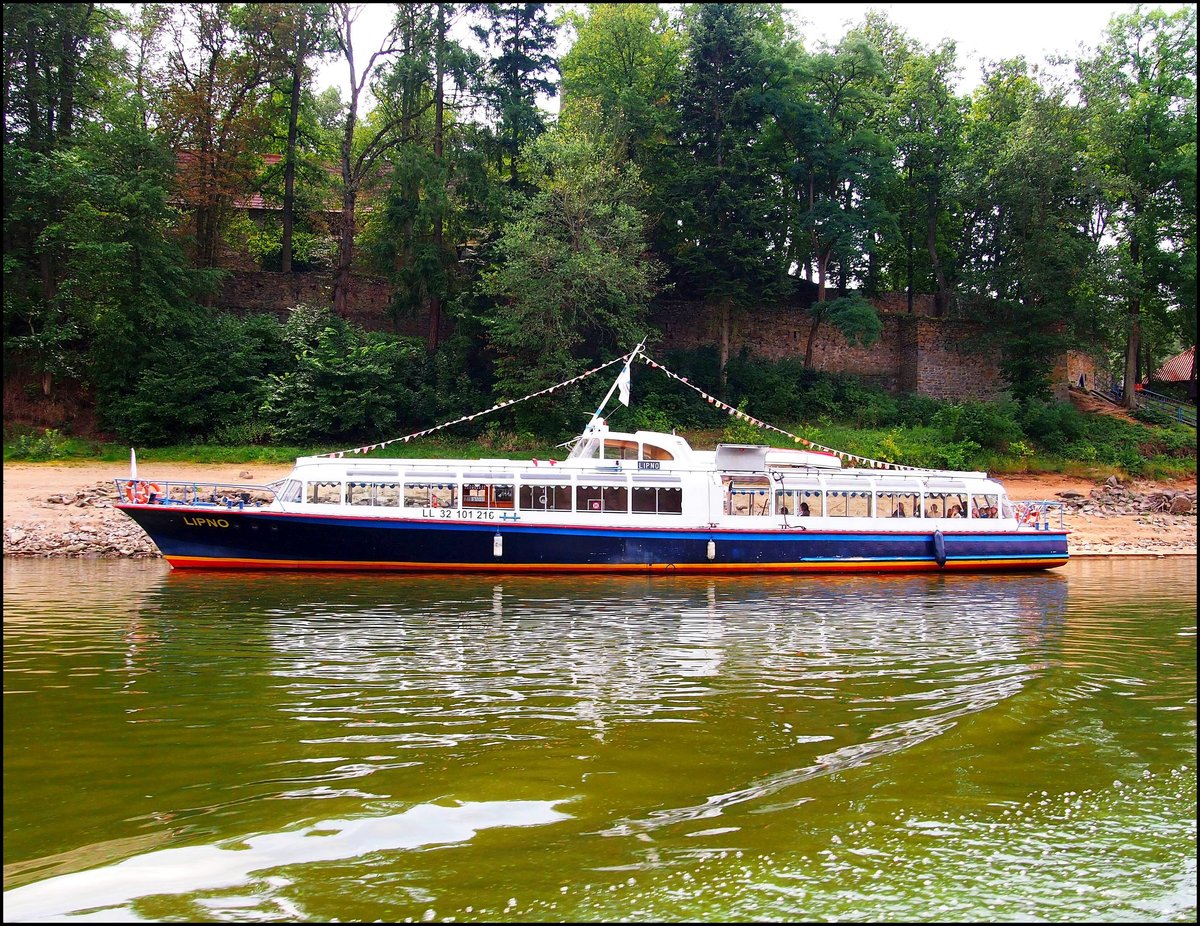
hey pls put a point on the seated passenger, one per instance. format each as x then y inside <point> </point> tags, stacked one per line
<point>954,512</point>
<point>804,510</point>
<point>992,512</point>
<point>899,512</point>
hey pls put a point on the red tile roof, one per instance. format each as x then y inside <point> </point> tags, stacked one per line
<point>1178,369</point>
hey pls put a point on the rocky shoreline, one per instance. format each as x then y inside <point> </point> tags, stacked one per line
<point>1165,521</point>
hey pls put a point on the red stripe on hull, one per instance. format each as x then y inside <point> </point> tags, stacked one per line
<point>196,562</point>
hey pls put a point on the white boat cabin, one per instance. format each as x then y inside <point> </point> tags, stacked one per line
<point>648,479</point>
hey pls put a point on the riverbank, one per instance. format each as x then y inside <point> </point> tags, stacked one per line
<point>65,509</point>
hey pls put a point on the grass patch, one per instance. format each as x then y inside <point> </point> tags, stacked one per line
<point>1095,447</point>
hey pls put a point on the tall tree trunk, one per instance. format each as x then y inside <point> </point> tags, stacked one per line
<point>908,243</point>
<point>1133,344</point>
<point>812,338</point>
<point>435,299</point>
<point>289,166</point>
<point>939,272</point>
<point>724,312</point>
<point>341,281</point>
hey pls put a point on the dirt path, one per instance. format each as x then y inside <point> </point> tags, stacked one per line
<point>73,527</point>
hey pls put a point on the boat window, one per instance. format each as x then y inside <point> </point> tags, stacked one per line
<point>429,495</point>
<point>372,493</point>
<point>620,449</point>
<point>487,495</point>
<point>324,493</point>
<point>982,505</point>
<point>789,500</point>
<point>898,505</point>
<point>290,491</point>
<point>657,500</point>
<point>747,496</point>
<point>938,504</point>
<point>587,448</point>
<point>848,503</point>
<point>545,497</point>
<point>601,498</point>
<point>652,452</point>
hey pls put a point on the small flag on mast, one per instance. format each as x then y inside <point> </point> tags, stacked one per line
<point>623,386</point>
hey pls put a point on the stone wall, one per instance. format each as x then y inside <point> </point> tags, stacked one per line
<point>938,357</point>
<point>261,291</point>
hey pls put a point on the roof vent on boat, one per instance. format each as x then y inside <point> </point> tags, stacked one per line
<point>742,457</point>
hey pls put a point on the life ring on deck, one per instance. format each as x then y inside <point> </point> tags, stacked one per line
<point>1031,516</point>
<point>145,490</point>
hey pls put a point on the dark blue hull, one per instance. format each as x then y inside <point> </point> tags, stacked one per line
<point>219,538</point>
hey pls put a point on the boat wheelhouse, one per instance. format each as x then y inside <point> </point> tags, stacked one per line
<point>641,502</point>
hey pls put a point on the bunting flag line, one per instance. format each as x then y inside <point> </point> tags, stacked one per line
<point>623,383</point>
<point>337,454</point>
<point>730,410</point>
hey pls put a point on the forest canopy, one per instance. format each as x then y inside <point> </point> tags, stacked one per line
<point>700,152</point>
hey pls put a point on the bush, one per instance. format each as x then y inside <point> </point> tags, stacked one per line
<point>1054,425</point>
<point>49,445</point>
<point>913,409</point>
<point>989,424</point>
<point>199,385</point>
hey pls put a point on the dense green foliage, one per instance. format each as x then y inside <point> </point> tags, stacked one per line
<point>837,411</point>
<point>702,152</point>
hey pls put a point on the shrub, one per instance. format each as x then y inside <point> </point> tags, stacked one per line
<point>1053,425</point>
<point>914,409</point>
<point>988,424</point>
<point>49,445</point>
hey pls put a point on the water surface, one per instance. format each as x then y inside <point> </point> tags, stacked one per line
<point>275,747</point>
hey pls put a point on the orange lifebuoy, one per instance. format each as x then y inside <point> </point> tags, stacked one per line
<point>128,492</point>
<point>144,490</point>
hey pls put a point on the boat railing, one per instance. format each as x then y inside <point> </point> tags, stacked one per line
<point>1041,514</point>
<point>194,494</point>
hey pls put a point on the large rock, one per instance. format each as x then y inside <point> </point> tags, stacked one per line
<point>1181,504</point>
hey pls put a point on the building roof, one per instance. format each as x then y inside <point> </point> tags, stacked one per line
<point>1178,369</point>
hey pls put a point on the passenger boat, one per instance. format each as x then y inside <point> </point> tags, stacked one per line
<point>641,502</point>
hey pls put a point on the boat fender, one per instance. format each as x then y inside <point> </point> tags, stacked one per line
<point>497,545</point>
<point>712,550</point>
<point>939,549</point>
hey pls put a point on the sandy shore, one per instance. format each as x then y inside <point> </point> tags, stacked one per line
<point>74,526</point>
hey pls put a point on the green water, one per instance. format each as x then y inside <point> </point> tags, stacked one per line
<point>287,748</point>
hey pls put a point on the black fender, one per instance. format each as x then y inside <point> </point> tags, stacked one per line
<point>939,549</point>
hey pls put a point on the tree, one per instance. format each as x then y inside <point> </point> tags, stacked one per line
<point>627,57</point>
<point>726,207</point>
<point>302,32</point>
<point>403,99</point>
<point>214,82</point>
<point>1139,95</point>
<point>57,60</point>
<point>1026,240</point>
<point>573,277</point>
<point>522,37</point>
<point>838,166</point>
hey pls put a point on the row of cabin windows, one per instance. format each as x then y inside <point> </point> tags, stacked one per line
<point>644,499</point>
<point>857,504</point>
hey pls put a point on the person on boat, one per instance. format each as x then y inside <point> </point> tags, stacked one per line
<point>954,512</point>
<point>899,512</point>
<point>934,511</point>
<point>804,509</point>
